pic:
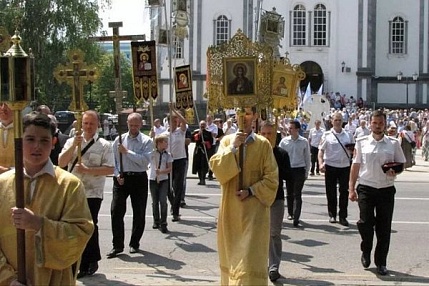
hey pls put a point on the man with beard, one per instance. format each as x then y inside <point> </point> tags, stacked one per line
<point>375,192</point>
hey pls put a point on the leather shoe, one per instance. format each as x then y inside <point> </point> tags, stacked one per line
<point>134,249</point>
<point>176,218</point>
<point>274,275</point>
<point>114,252</point>
<point>344,222</point>
<point>92,268</point>
<point>164,228</point>
<point>365,259</point>
<point>332,219</point>
<point>155,226</point>
<point>296,223</point>
<point>382,270</point>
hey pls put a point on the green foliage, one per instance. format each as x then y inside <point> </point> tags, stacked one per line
<point>50,29</point>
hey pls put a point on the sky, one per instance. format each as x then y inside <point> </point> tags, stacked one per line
<point>133,15</point>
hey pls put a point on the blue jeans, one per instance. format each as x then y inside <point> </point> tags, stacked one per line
<point>159,192</point>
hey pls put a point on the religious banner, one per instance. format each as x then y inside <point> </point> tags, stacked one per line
<point>183,84</point>
<point>144,70</point>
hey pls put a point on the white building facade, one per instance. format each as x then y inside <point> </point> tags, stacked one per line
<point>355,47</point>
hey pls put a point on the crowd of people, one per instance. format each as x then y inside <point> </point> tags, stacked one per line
<point>251,165</point>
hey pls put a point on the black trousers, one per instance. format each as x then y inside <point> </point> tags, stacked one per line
<point>175,195</point>
<point>294,185</point>
<point>333,176</point>
<point>376,212</point>
<point>314,151</point>
<point>92,249</point>
<point>135,187</point>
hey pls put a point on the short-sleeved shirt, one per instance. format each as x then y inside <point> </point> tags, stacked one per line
<point>99,154</point>
<point>372,155</point>
<point>155,163</point>
<point>334,154</point>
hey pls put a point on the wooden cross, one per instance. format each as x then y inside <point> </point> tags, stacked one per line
<point>76,74</point>
<point>116,38</point>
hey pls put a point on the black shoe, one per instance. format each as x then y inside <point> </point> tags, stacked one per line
<point>296,223</point>
<point>182,204</point>
<point>176,218</point>
<point>365,259</point>
<point>344,222</point>
<point>82,274</point>
<point>312,174</point>
<point>274,275</point>
<point>93,267</point>
<point>210,178</point>
<point>290,217</point>
<point>332,220</point>
<point>114,252</point>
<point>155,226</point>
<point>318,173</point>
<point>382,270</point>
<point>134,249</point>
<point>164,228</point>
<point>201,183</point>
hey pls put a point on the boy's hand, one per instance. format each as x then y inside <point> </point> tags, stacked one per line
<point>25,219</point>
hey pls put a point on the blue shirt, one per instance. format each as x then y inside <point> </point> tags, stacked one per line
<point>140,150</point>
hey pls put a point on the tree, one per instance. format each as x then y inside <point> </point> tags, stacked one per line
<point>50,29</point>
<point>105,84</point>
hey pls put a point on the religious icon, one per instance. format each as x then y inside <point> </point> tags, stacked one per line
<point>144,62</point>
<point>280,87</point>
<point>162,37</point>
<point>240,76</point>
<point>183,78</point>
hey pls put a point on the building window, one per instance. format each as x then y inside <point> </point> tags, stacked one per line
<point>222,29</point>
<point>299,26</point>
<point>320,26</point>
<point>178,48</point>
<point>398,34</point>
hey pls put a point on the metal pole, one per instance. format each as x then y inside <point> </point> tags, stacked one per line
<point>407,93</point>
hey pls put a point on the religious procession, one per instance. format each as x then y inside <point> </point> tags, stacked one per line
<point>85,127</point>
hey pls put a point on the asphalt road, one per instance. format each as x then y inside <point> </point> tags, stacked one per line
<point>318,253</point>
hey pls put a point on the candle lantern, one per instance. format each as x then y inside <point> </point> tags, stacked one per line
<point>16,90</point>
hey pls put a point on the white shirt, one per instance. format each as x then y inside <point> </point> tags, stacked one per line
<point>361,132</point>
<point>156,164</point>
<point>334,155</point>
<point>372,155</point>
<point>99,154</point>
<point>159,130</point>
<point>315,136</point>
<point>176,143</point>
<point>299,151</point>
<point>214,130</point>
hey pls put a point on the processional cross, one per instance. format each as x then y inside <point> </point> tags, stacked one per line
<point>76,74</point>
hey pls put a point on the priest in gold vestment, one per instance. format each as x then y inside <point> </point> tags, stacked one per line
<point>56,217</point>
<point>244,214</point>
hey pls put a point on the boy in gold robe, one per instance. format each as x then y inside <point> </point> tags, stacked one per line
<point>56,218</point>
<point>244,213</point>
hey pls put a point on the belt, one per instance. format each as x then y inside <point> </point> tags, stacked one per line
<point>134,173</point>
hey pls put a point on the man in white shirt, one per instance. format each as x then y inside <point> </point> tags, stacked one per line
<point>362,130</point>
<point>375,191</point>
<point>314,137</point>
<point>299,155</point>
<point>334,160</point>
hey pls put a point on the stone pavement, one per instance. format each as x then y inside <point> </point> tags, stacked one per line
<point>145,275</point>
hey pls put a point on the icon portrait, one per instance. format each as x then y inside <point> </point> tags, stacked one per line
<point>240,76</point>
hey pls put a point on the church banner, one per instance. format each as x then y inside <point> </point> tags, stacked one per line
<point>183,84</point>
<point>144,70</point>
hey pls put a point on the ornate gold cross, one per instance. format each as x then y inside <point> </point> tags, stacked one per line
<point>76,74</point>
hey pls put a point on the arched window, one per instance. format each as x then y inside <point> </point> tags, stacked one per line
<point>299,26</point>
<point>222,29</point>
<point>398,36</point>
<point>320,26</point>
